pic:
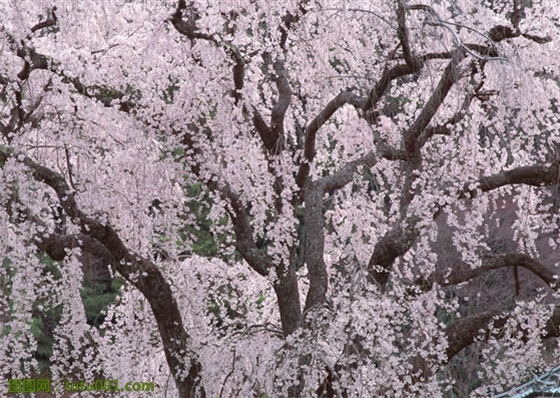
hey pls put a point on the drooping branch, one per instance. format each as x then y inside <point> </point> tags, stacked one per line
<point>140,272</point>
<point>184,20</point>
<point>286,284</point>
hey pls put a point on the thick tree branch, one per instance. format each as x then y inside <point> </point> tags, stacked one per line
<point>346,174</point>
<point>444,128</point>
<point>398,241</point>
<point>282,103</point>
<point>140,272</point>
<point>388,75</point>
<point>50,21</point>
<point>412,136</point>
<point>286,284</point>
<point>387,249</point>
<point>245,242</point>
<point>315,245</point>
<point>265,133</point>
<point>461,273</point>
<point>536,175</point>
<point>450,76</point>
<point>415,63</point>
<point>56,245</point>
<point>345,97</point>
<point>402,33</point>
<point>464,332</point>
<point>279,109</point>
<point>187,27</point>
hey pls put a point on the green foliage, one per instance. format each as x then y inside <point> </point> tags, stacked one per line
<point>96,300</point>
<point>168,93</point>
<point>46,315</point>
<point>220,306</point>
<point>44,321</point>
<point>205,242</point>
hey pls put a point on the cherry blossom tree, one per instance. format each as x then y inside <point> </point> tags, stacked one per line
<point>380,181</point>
